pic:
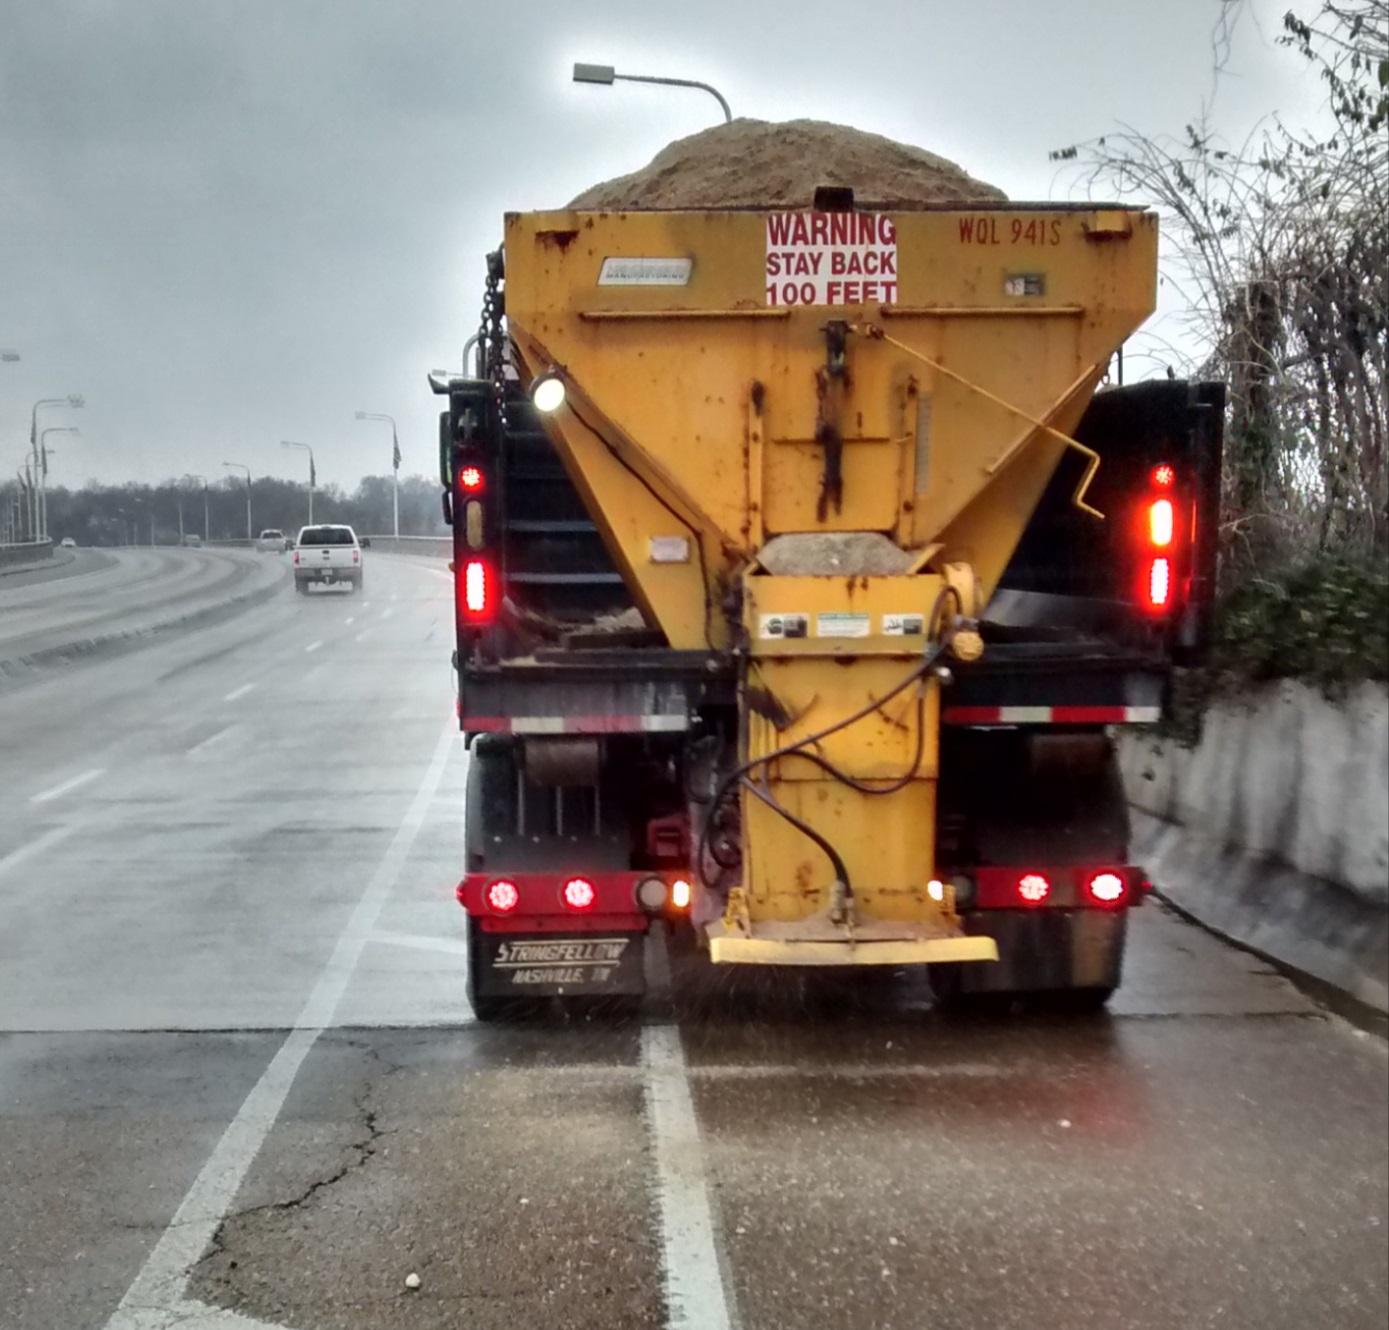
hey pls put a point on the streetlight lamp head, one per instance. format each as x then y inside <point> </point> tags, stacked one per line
<point>76,399</point>
<point>361,415</point>
<point>594,73</point>
<point>9,357</point>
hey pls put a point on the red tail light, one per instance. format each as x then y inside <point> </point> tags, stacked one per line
<point>1160,523</point>
<point>476,594</point>
<point>579,894</point>
<point>1159,583</point>
<point>296,556</point>
<point>470,479</point>
<point>1163,535</point>
<point>1106,888</point>
<point>1033,888</point>
<point>502,896</point>
<point>356,556</point>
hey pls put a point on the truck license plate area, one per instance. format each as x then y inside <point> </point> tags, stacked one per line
<point>554,965</point>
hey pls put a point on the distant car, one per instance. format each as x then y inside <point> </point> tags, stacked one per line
<point>67,543</point>
<point>329,555</point>
<point>193,542</point>
<point>272,541</point>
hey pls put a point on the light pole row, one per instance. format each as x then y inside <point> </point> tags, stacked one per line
<point>241,466</point>
<point>395,465</point>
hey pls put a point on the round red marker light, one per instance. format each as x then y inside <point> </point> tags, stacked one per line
<point>503,897</point>
<point>470,478</point>
<point>1033,888</point>
<point>1164,477</point>
<point>1106,888</point>
<point>579,894</point>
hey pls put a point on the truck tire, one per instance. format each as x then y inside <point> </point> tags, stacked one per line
<point>951,996</point>
<point>495,845</point>
<point>1041,799</point>
<point>301,587</point>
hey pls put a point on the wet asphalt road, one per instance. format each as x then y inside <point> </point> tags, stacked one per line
<point>238,1071</point>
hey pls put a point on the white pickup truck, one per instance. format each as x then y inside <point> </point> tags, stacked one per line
<point>328,555</point>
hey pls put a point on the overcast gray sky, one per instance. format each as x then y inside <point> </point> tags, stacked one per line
<point>230,222</point>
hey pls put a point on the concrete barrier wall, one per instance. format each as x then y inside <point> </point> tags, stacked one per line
<point>1275,828</point>
<point>439,547</point>
<point>21,555</point>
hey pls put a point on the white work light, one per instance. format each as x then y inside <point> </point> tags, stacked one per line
<point>547,392</point>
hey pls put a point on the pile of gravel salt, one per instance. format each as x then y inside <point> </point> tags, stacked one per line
<point>760,164</point>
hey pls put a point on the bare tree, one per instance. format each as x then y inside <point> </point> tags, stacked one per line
<point>1280,246</point>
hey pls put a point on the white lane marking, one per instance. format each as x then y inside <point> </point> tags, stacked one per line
<point>67,786</point>
<point>696,1294</point>
<point>38,845</point>
<point>155,1300</point>
<point>362,636</point>
<point>351,618</point>
<point>238,692</point>
<point>210,740</point>
<point>313,646</point>
<point>422,942</point>
<point>386,613</point>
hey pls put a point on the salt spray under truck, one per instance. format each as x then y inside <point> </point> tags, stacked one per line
<point>801,575</point>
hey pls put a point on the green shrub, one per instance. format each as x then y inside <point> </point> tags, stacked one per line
<point>1326,622</point>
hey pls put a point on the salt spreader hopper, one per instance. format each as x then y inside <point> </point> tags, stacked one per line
<point>797,453</point>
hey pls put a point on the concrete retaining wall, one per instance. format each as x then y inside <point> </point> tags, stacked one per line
<point>1275,828</point>
<point>25,554</point>
<point>440,547</point>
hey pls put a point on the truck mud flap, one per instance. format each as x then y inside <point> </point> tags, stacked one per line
<point>518,965</point>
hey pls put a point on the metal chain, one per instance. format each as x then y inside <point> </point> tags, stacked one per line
<point>491,337</point>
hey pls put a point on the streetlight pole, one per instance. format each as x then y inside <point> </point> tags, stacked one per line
<point>22,504</point>
<point>606,74</point>
<point>313,474</point>
<point>73,400</point>
<point>192,476</point>
<point>395,466</point>
<point>241,466</point>
<point>44,453</point>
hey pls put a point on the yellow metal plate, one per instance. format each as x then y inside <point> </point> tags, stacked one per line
<point>913,951</point>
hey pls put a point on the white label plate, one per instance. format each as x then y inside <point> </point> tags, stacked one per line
<point>645,272</point>
<point>841,623</point>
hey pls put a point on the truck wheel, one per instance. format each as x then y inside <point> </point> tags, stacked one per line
<point>953,998</point>
<point>1078,1001</point>
<point>300,586</point>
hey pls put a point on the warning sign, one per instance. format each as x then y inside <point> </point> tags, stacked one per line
<point>831,258</point>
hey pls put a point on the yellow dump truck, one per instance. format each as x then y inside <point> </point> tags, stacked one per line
<point>802,574</point>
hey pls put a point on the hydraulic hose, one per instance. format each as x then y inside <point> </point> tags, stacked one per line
<point>798,748</point>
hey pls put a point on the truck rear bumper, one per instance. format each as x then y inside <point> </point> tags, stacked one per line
<point>1046,950</point>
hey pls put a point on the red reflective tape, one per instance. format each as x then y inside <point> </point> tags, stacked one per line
<point>489,724</point>
<point>601,724</point>
<point>970,716</point>
<point>1088,715</point>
